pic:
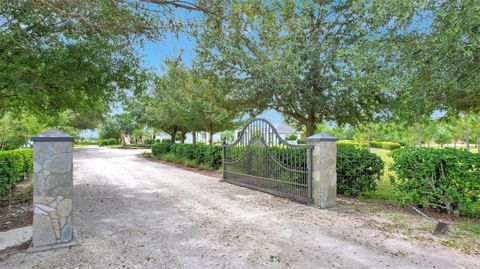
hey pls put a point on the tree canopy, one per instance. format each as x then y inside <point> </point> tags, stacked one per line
<point>77,54</point>
<point>303,58</point>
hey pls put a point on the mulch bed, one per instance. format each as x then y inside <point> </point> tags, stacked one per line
<point>14,213</point>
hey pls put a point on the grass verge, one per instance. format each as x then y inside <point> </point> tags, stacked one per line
<point>113,146</point>
<point>384,191</point>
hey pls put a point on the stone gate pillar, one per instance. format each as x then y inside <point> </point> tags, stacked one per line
<point>324,169</point>
<point>52,190</point>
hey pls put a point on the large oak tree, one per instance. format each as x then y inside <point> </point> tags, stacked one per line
<point>305,59</point>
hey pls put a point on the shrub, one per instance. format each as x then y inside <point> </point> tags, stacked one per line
<point>213,157</point>
<point>201,154</point>
<point>173,147</point>
<point>447,180</point>
<point>27,155</point>
<point>14,142</point>
<point>150,141</point>
<point>11,170</point>
<point>161,148</point>
<point>107,142</point>
<point>347,143</point>
<point>86,142</point>
<point>301,141</point>
<point>391,145</point>
<point>185,151</point>
<point>374,144</point>
<point>292,137</point>
<point>358,170</point>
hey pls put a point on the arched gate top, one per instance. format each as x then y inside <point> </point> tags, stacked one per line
<point>258,129</point>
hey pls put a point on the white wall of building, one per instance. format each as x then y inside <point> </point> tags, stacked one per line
<point>202,137</point>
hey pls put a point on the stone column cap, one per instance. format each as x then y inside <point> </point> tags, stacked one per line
<point>53,136</point>
<point>320,137</point>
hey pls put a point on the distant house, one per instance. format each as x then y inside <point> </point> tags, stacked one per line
<point>284,130</point>
<point>202,137</point>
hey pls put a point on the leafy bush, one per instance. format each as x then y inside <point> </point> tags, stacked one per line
<point>161,148</point>
<point>390,145</point>
<point>86,142</point>
<point>358,170</point>
<point>374,144</point>
<point>447,180</point>
<point>185,151</point>
<point>12,170</point>
<point>347,143</point>
<point>14,142</point>
<point>152,141</point>
<point>27,155</point>
<point>301,141</point>
<point>107,142</point>
<point>210,156</point>
<point>173,147</point>
<point>292,137</point>
<point>213,157</point>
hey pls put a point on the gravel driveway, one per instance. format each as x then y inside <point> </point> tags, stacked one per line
<point>134,213</point>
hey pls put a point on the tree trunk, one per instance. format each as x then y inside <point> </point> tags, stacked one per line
<point>173,136</point>
<point>419,136</point>
<point>310,127</point>
<point>467,134</point>
<point>478,143</point>
<point>184,136</point>
<point>194,137</point>
<point>210,138</point>
<point>210,132</point>
<point>369,142</point>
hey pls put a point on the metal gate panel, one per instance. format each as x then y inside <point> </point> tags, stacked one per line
<point>260,159</point>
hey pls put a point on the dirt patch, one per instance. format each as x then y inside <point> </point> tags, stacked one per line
<point>16,209</point>
<point>15,249</point>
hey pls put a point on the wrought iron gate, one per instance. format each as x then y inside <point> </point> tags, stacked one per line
<point>260,159</point>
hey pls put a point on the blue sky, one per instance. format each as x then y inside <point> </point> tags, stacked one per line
<point>154,53</point>
<point>175,45</point>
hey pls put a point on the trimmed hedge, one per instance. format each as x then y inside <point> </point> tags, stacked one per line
<point>107,142</point>
<point>447,180</point>
<point>152,141</point>
<point>203,154</point>
<point>86,142</point>
<point>374,144</point>
<point>358,170</point>
<point>160,148</point>
<point>351,143</point>
<point>27,155</point>
<point>14,165</point>
<point>391,145</point>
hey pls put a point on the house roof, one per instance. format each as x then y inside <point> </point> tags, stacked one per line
<point>285,129</point>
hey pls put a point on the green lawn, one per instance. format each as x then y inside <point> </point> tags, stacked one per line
<point>113,146</point>
<point>384,190</point>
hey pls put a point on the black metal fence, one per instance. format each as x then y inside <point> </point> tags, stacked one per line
<point>260,159</point>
